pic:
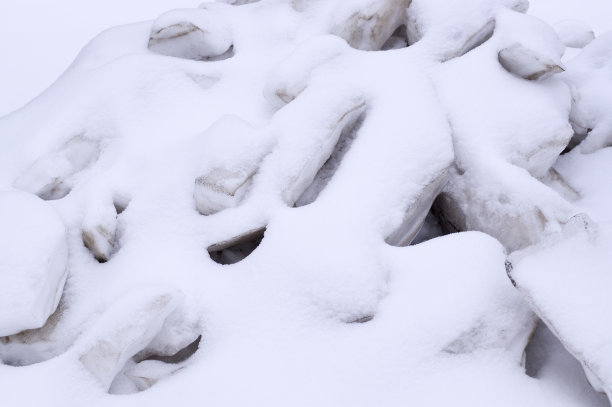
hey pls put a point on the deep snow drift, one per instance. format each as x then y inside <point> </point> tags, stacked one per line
<point>217,208</point>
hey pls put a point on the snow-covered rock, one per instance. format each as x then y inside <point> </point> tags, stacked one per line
<point>33,264</point>
<point>507,135</point>
<point>99,229</point>
<point>527,64</point>
<point>201,35</point>
<point>124,330</point>
<point>574,33</point>
<point>49,177</point>
<point>565,281</point>
<point>589,76</point>
<point>452,29</point>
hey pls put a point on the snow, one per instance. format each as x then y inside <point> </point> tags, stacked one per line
<point>216,207</point>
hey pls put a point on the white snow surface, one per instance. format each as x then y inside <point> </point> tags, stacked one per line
<point>138,184</point>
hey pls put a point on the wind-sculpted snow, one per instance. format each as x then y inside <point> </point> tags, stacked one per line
<point>238,186</point>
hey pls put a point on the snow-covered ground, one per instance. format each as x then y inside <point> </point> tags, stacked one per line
<point>216,207</point>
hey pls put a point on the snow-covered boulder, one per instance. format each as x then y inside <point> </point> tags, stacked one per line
<point>565,280</point>
<point>123,330</point>
<point>574,33</point>
<point>33,264</point>
<point>507,134</point>
<point>202,35</point>
<point>50,177</point>
<point>527,64</point>
<point>451,29</point>
<point>99,229</point>
<point>589,75</point>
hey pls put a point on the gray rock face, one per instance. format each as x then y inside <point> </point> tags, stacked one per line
<point>203,38</point>
<point>526,63</point>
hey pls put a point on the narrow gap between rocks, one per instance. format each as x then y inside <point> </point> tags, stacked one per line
<point>546,358</point>
<point>397,40</point>
<point>236,249</point>
<point>180,356</point>
<point>329,168</point>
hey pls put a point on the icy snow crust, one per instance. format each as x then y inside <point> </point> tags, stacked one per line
<point>272,137</point>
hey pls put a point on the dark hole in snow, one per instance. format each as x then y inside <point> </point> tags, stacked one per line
<point>431,229</point>
<point>416,213</point>
<point>580,133</point>
<point>236,249</point>
<point>120,205</point>
<point>439,209</point>
<point>397,40</point>
<point>329,168</point>
<point>435,224</point>
<point>180,356</point>
<point>361,320</point>
<point>226,55</point>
